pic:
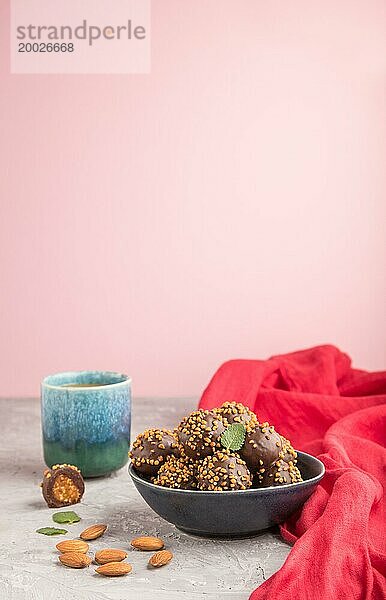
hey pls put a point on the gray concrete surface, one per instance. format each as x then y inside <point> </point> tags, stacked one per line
<point>29,568</point>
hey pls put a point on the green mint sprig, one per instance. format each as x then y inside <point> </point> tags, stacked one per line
<point>51,531</point>
<point>66,516</point>
<point>233,437</point>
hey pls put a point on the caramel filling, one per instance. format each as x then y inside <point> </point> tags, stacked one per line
<point>65,490</point>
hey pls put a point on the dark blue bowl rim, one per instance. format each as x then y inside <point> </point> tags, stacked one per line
<point>256,491</point>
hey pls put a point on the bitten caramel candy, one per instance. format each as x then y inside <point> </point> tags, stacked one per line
<point>62,485</point>
<point>200,433</point>
<point>151,448</point>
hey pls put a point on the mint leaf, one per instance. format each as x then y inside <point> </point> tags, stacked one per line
<point>51,531</point>
<point>233,437</point>
<point>68,516</point>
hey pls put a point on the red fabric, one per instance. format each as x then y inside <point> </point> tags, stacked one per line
<point>325,407</point>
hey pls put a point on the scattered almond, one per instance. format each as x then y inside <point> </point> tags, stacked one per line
<point>109,555</point>
<point>72,546</point>
<point>76,560</point>
<point>159,559</point>
<point>93,532</point>
<point>147,543</point>
<point>114,569</point>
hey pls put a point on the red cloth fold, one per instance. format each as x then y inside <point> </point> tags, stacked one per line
<point>325,407</point>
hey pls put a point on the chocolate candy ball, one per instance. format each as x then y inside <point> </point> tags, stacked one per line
<point>235,412</point>
<point>177,473</point>
<point>151,448</point>
<point>261,448</point>
<point>288,453</point>
<point>62,485</point>
<point>200,433</point>
<point>223,471</point>
<point>280,473</point>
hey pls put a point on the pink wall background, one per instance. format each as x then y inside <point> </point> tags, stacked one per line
<point>230,204</point>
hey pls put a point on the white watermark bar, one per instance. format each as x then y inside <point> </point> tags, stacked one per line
<point>80,36</point>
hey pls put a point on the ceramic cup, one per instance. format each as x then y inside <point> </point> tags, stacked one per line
<point>86,419</point>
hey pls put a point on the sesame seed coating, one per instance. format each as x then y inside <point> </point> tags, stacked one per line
<point>222,471</point>
<point>235,412</point>
<point>200,432</point>
<point>281,473</point>
<point>151,448</point>
<point>176,473</point>
<point>288,453</point>
<point>191,456</point>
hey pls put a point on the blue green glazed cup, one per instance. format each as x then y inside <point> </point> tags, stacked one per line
<point>86,418</point>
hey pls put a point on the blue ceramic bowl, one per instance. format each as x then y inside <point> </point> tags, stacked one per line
<point>86,420</point>
<point>232,513</point>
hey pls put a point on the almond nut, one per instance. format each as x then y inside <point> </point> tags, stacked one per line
<point>108,555</point>
<point>147,543</point>
<point>161,558</point>
<point>72,546</point>
<point>114,569</point>
<point>93,532</point>
<point>76,560</point>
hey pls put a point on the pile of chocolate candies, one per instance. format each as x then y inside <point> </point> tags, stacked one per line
<point>193,456</point>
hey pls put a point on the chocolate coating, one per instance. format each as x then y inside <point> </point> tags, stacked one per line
<point>235,412</point>
<point>261,448</point>
<point>280,473</point>
<point>177,473</point>
<point>151,448</point>
<point>223,471</point>
<point>62,485</point>
<point>200,433</point>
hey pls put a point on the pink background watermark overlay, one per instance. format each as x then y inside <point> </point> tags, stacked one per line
<point>91,36</point>
<point>231,203</point>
